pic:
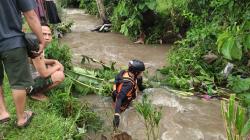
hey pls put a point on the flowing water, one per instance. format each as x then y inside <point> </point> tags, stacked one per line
<point>183,118</point>
<point>109,46</point>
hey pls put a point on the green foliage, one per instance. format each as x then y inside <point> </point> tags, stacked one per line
<point>83,115</point>
<point>105,74</point>
<point>168,6</point>
<point>235,120</point>
<point>187,68</point>
<point>246,128</point>
<point>245,101</point>
<point>127,16</point>
<point>234,42</point>
<point>108,76</point>
<point>238,84</point>
<point>58,118</point>
<point>63,27</point>
<point>126,19</point>
<point>62,53</point>
<point>85,81</point>
<point>69,3</point>
<point>220,27</point>
<point>89,5</point>
<point>69,107</point>
<point>93,81</point>
<point>241,86</point>
<point>151,116</point>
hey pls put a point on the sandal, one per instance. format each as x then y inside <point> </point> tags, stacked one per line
<point>5,120</point>
<point>28,118</point>
<point>39,97</point>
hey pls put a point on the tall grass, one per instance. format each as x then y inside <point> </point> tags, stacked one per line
<point>61,117</point>
<point>151,116</point>
<point>237,125</point>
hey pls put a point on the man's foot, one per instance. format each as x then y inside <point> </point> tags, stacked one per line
<point>4,118</point>
<point>39,97</point>
<point>139,41</point>
<point>28,115</point>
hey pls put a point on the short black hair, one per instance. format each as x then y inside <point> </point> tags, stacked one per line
<point>44,24</point>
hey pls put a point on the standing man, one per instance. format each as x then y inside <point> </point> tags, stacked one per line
<point>13,55</point>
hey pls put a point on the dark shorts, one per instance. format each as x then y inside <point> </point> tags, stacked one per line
<point>41,82</point>
<point>16,65</point>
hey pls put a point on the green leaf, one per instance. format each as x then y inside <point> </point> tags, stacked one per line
<point>240,118</point>
<point>221,39</point>
<point>236,51</point>
<point>151,5</point>
<point>124,29</point>
<point>247,42</point>
<point>230,5</point>
<point>227,46</point>
<point>246,25</point>
<point>163,6</point>
<point>141,6</point>
<point>231,110</point>
<point>240,85</point>
<point>246,128</point>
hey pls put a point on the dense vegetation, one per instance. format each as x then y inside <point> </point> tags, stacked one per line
<point>219,29</point>
<point>209,35</point>
<point>62,117</point>
<point>211,51</point>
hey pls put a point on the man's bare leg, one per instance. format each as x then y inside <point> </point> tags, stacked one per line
<point>39,96</point>
<point>3,111</point>
<point>141,38</point>
<point>57,78</point>
<point>19,97</point>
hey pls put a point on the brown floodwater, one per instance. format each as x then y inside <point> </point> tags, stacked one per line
<point>183,118</point>
<point>109,46</point>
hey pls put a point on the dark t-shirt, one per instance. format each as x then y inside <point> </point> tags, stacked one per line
<point>11,35</point>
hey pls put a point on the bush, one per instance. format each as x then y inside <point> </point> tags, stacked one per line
<point>59,52</point>
<point>210,30</point>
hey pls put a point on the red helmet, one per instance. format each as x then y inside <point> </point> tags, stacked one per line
<point>136,66</point>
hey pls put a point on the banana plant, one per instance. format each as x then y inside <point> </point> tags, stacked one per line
<point>86,81</point>
<point>237,128</point>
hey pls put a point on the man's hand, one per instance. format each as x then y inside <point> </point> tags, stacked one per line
<point>41,47</point>
<point>116,120</point>
<point>61,66</point>
<point>39,52</point>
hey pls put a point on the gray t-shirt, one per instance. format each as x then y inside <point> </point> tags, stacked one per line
<point>11,35</point>
<point>34,72</point>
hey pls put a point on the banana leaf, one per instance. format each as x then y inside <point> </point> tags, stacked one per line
<point>105,66</point>
<point>85,81</point>
<point>77,82</point>
<point>88,79</point>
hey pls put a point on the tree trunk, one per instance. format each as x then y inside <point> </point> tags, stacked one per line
<point>101,10</point>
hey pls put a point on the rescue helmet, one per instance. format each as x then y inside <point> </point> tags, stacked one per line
<point>136,66</point>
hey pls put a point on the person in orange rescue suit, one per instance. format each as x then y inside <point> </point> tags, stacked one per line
<point>127,82</point>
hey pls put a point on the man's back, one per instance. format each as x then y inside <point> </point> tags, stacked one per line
<point>11,35</point>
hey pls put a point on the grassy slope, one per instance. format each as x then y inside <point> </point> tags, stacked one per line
<point>47,123</point>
